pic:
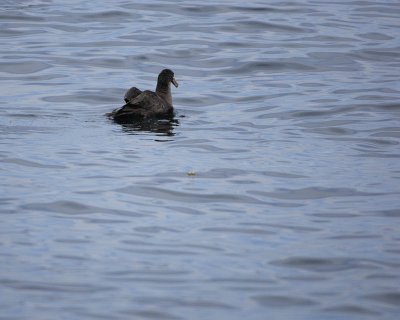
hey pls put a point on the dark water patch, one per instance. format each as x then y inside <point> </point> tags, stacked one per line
<point>163,281</point>
<point>100,44</point>
<point>22,115</point>
<point>359,90</point>
<point>334,39</point>
<point>329,264</point>
<point>72,241</point>
<point>285,204</point>
<point>375,97</point>
<point>355,237</point>
<point>57,287</point>
<point>377,54</point>
<point>388,132</point>
<point>204,9</point>
<point>250,231</point>
<point>170,302</point>
<point>367,143</point>
<point>388,10</point>
<point>74,208</point>
<point>335,131</point>
<point>378,107</point>
<point>375,36</point>
<point>234,44</point>
<point>106,221</point>
<point>276,301</point>
<point>161,252</point>
<point>146,244</point>
<point>317,113</point>
<point>351,310</point>
<point>384,275</point>
<point>227,173</point>
<point>335,215</point>
<point>307,278</point>
<point>9,33</point>
<point>256,281</point>
<point>21,17</point>
<point>315,193</point>
<point>327,123</point>
<point>114,15</point>
<point>32,164</point>
<point>221,173</point>
<point>186,210</point>
<point>267,67</point>
<point>72,257</point>
<point>390,213</point>
<point>7,211</point>
<point>82,312</point>
<point>285,8</point>
<point>179,196</point>
<point>312,85</point>
<point>68,207</point>
<point>150,314</point>
<point>338,61</point>
<point>184,28</point>
<point>143,272</point>
<point>378,155</point>
<point>282,226</point>
<point>69,28</point>
<point>251,25</point>
<point>388,298</point>
<point>155,229</point>
<point>324,101</point>
<point>7,200</point>
<point>23,67</point>
<point>202,247</point>
<point>141,38</point>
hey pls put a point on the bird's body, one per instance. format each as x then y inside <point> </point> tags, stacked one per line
<point>148,104</point>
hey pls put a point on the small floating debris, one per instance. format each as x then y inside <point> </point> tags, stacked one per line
<point>191,173</point>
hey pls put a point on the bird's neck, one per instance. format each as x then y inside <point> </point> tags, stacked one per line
<point>164,91</point>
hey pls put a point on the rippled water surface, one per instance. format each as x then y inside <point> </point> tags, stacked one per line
<point>274,194</point>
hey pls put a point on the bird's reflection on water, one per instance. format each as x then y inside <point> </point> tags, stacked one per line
<point>162,127</point>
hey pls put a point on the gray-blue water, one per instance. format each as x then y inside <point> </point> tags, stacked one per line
<point>274,194</point>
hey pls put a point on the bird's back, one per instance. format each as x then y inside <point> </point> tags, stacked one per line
<point>145,105</point>
<point>131,94</point>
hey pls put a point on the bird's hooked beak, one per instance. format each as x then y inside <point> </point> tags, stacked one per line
<point>174,82</point>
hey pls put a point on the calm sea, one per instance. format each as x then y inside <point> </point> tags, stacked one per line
<point>274,193</point>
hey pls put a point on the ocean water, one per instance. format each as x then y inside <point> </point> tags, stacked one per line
<point>274,193</point>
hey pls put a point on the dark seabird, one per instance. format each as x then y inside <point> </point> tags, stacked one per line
<point>148,104</point>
